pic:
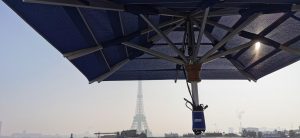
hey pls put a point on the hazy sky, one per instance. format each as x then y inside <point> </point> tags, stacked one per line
<point>41,91</point>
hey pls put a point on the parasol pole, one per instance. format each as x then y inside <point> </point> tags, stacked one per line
<point>193,69</point>
<point>195,97</point>
<point>193,77</point>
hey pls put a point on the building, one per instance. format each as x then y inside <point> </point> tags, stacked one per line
<point>171,135</point>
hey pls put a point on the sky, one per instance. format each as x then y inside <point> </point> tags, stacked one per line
<point>42,92</point>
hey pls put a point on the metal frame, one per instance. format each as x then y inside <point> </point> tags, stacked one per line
<point>224,27</point>
<point>291,50</point>
<point>100,4</point>
<point>123,31</point>
<point>236,11</point>
<point>268,30</point>
<point>263,1</point>
<point>82,52</point>
<point>93,36</point>
<point>163,35</point>
<point>233,61</point>
<point>240,68</point>
<point>230,35</point>
<point>253,37</point>
<point>178,22</point>
<point>223,12</point>
<point>228,52</point>
<point>177,44</point>
<point>112,70</point>
<point>191,38</point>
<point>277,49</point>
<point>107,5</point>
<point>286,45</point>
<point>164,24</point>
<point>154,53</point>
<point>295,17</point>
<point>166,32</point>
<point>200,35</point>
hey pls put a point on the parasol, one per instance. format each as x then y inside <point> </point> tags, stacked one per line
<point>113,40</point>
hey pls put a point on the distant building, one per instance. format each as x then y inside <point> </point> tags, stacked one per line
<point>132,133</point>
<point>123,134</point>
<point>250,132</point>
<point>271,135</point>
<point>188,135</point>
<point>109,136</point>
<point>251,129</point>
<point>231,135</point>
<point>213,134</point>
<point>171,135</point>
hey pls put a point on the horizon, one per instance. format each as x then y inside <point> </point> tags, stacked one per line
<point>92,134</point>
<point>41,91</point>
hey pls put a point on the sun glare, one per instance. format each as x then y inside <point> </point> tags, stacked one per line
<point>257,45</point>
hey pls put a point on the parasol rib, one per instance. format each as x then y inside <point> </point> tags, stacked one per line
<point>278,47</point>
<point>200,35</point>
<point>267,30</point>
<point>81,52</point>
<point>113,70</point>
<point>123,31</point>
<point>164,24</point>
<point>154,53</point>
<point>224,27</point>
<point>233,61</point>
<point>93,35</point>
<point>229,51</point>
<point>291,50</point>
<point>164,37</point>
<point>262,1</point>
<point>240,68</point>
<point>167,31</point>
<point>230,35</point>
<point>107,5</point>
<point>99,4</point>
<point>230,12</point>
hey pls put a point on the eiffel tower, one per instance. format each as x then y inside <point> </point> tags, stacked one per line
<point>139,120</point>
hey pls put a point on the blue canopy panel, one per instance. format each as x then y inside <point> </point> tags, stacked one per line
<point>71,29</point>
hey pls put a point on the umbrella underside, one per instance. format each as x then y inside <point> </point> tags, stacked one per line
<point>114,40</point>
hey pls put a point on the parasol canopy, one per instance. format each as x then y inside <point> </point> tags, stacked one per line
<point>108,40</point>
<point>171,39</point>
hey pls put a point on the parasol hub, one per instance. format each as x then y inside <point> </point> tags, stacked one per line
<point>193,72</point>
